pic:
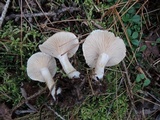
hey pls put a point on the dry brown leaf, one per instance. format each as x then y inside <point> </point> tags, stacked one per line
<point>152,51</point>
<point>5,112</point>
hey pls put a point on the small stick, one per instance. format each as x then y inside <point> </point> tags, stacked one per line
<point>74,45</point>
<point>157,99</point>
<point>89,80</point>
<point>128,87</point>
<point>29,98</point>
<point>24,94</point>
<point>4,13</point>
<point>43,13</point>
<point>54,112</point>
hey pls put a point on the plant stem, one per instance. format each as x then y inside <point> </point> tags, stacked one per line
<point>49,81</point>
<point>4,13</point>
<point>100,65</point>
<point>67,66</point>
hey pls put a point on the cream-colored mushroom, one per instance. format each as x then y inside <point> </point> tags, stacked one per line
<point>62,45</point>
<point>42,67</point>
<point>101,48</point>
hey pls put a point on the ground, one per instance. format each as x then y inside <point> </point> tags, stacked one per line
<point>129,90</point>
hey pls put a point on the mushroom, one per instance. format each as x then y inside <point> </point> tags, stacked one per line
<point>62,45</point>
<point>101,48</point>
<point>42,67</point>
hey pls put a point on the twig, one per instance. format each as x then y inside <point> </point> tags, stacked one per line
<point>21,34</point>
<point>148,100</point>
<point>4,13</point>
<point>89,81</point>
<point>96,25</point>
<point>4,94</point>
<point>26,1</point>
<point>124,29</point>
<point>75,44</point>
<point>156,62</point>
<point>141,71</point>
<point>24,94</point>
<point>18,112</point>
<point>43,11</point>
<point>111,104</point>
<point>54,112</point>
<point>130,7</point>
<point>31,15</point>
<point>128,87</point>
<point>152,11</point>
<point>71,9</point>
<point>157,99</point>
<point>29,98</point>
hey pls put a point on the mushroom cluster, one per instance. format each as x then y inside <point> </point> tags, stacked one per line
<point>41,66</point>
<point>62,45</point>
<point>101,48</point>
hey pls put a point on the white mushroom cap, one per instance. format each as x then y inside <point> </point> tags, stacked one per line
<point>42,67</point>
<point>62,45</point>
<point>101,48</point>
<point>37,62</point>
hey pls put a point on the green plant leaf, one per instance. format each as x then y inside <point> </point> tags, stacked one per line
<point>136,18</point>
<point>140,77</point>
<point>135,35</point>
<point>135,42</point>
<point>158,40</point>
<point>132,10</point>
<point>126,18</point>
<point>109,0</point>
<point>153,43</point>
<point>146,82</point>
<point>129,32</point>
<point>143,47</point>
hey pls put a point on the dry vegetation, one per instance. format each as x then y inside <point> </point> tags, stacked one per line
<point>129,90</point>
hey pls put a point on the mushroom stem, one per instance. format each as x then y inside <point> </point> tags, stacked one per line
<point>100,65</point>
<point>67,66</point>
<point>49,81</point>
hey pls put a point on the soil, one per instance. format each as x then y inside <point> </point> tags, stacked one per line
<point>74,91</point>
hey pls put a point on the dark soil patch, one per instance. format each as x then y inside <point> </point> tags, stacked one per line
<point>74,91</point>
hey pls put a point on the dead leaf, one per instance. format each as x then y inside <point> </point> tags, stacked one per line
<point>152,51</point>
<point>158,117</point>
<point>5,112</point>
